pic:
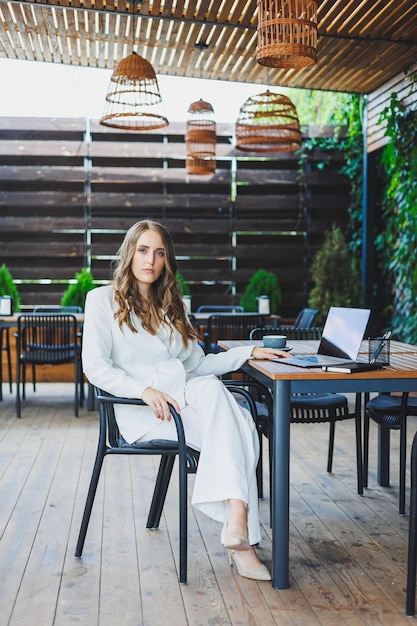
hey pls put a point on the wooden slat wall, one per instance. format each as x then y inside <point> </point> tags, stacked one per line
<point>379,99</point>
<point>69,192</point>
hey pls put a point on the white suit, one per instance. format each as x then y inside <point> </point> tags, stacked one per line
<point>125,363</point>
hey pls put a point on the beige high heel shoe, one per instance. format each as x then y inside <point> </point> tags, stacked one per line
<point>260,572</point>
<point>236,542</point>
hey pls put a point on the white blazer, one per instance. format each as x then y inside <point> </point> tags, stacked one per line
<point>125,363</point>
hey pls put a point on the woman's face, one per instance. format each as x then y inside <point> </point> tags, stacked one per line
<point>148,261</point>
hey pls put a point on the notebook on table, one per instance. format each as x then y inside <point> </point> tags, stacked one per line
<point>341,339</point>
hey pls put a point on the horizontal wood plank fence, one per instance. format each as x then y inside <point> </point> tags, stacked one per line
<point>70,188</point>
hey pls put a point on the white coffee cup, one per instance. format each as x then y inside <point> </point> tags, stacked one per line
<point>274,341</point>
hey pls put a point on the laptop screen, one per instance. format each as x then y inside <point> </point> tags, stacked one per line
<point>343,332</point>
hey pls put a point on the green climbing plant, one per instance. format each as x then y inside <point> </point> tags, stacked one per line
<point>397,242</point>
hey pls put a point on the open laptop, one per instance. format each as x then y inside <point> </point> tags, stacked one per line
<point>341,338</point>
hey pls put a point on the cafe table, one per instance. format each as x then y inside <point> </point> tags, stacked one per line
<point>282,379</point>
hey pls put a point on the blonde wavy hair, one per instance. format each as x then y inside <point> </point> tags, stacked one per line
<point>165,296</point>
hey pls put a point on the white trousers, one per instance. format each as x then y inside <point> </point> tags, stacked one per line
<point>226,436</point>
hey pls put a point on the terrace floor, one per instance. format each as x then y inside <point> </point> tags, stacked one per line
<point>347,553</point>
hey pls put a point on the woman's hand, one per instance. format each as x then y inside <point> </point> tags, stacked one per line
<point>268,353</point>
<point>158,401</point>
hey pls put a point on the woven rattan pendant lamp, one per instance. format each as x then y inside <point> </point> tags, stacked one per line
<point>268,122</point>
<point>133,91</point>
<point>287,33</point>
<point>200,139</point>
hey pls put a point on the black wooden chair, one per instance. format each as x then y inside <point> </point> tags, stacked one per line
<point>389,412</point>
<point>111,443</point>
<point>229,326</point>
<point>46,339</point>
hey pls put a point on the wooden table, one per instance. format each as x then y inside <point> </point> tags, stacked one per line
<point>283,380</point>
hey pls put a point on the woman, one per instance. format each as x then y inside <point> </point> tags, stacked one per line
<point>138,343</point>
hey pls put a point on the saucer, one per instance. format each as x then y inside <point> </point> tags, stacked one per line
<point>286,349</point>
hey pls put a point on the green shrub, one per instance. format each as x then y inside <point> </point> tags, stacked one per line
<point>8,287</point>
<point>76,292</point>
<point>262,283</point>
<point>336,275</point>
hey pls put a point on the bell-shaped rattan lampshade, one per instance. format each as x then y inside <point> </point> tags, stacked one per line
<point>132,91</point>
<point>287,33</point>
<point>200,139</point>
<point>268,122</point>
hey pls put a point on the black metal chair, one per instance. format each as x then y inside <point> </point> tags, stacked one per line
<point>46,339</point>
<point>111,443</point>
<point>314,408</point>
<point>218,308</point>
<point>5,347</point>
<point>305,318</point>
<point>48,309</point>
<point>389,412</point>
<point>229,326</point>
<point>412,536</point>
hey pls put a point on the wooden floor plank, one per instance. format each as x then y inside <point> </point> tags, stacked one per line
<point>347,552</point>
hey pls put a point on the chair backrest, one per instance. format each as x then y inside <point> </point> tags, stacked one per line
<point>291,332</point>
<point>57,309</point>
<point>305,318</point>
<point>232,326</point>
<point>218,308</point>
<point>47,338</point>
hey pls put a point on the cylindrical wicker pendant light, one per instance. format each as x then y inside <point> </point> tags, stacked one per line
<point>287,33</point>
<point>132,91</point>
<point>200,139</point>
<point>268,122</point>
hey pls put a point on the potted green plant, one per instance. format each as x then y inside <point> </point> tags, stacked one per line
<point>336,275</point>
<point>185,287</point>
<point>76,291</point>
<point>8,287</point>
<point>262,283</point>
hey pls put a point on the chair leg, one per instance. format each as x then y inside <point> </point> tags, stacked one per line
<point>259,467</point>
<point>89,502</point>
<point>358,428</point>
<point>365,448</point>
<point>183,503</point>
<point>403,452</point>
<point>332,427</point>
<point>76,383</point>
<point>18,407</point>
<point>33,377</point>
<point>9,359</point>
<point>160,491</point>
<point>412,537</point>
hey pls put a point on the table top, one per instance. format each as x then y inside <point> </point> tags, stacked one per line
<point>403,362</point>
